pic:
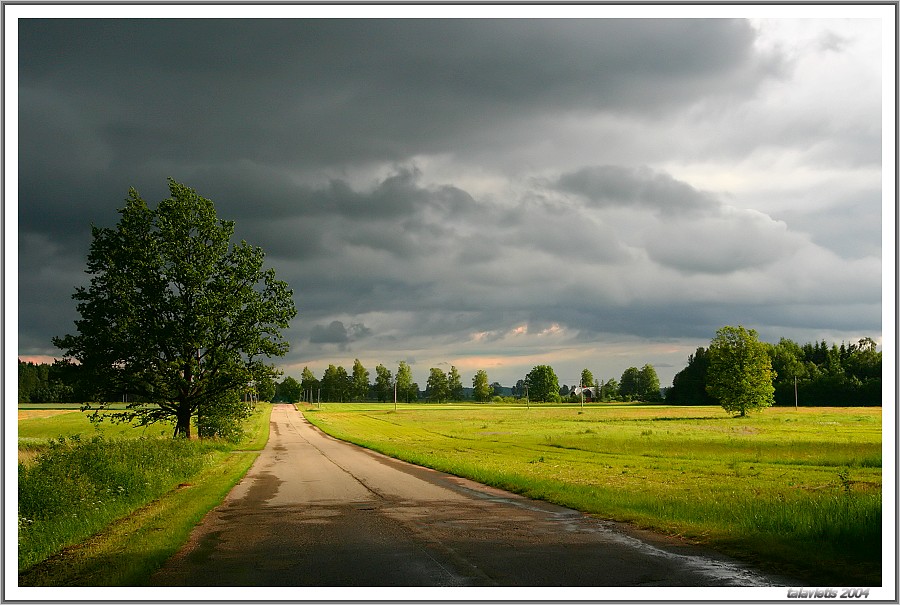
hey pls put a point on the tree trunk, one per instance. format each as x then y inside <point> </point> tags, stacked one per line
<point>183,425</point>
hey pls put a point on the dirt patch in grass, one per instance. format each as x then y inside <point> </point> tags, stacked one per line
<point>32,414</point>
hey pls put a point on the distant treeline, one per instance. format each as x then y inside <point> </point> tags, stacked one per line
<point>46,383</point>
<point>814,374</point>
<point>849,374</point>
<point>541,384</point>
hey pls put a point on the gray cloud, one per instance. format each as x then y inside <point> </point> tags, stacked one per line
<point>429,187</point>
<point>321,91</point>
<point>637,187</point>
<point>337,333</point>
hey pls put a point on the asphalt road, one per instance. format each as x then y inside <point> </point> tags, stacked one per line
<point>315,511</point>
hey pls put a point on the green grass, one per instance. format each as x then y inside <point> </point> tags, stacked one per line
<point>109,507</point>
<point>35,426</point>
<point>128,551</point>
<point>76,487</point>
<point>792,490</point>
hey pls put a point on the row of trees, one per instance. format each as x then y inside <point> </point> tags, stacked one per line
<point>338,385</point>
<point>541,384</point>
<point>61,382</point>
<point>45,383</point>
<point>811,374</point>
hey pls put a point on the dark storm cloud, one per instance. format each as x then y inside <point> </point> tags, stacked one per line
<point>226,105</point>
<point>318,91</point>
<point>418,182</point>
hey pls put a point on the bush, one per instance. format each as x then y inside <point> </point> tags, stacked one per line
<point>224,420</point>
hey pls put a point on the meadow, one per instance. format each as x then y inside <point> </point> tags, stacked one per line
<point>794,491</point>
<point>106,504</point>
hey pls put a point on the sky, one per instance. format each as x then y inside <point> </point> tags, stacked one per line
<point>490,193</point>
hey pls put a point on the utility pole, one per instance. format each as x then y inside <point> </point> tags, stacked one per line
<point>796,401</point>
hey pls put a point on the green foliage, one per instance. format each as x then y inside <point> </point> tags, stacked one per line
<point>587,378</point>
<point>639,384</point>
<point>629,385</point>
<point>542,383</point>
<point>336,384</point>
<point>689,385</point>
<point>384,386</point>
<point>437,388</point>
<point>224,418</point>
<point>816,374</point>
<point>609,391</point>
<point>175,313</point>
<point>648,384</point>
<point>455,391</point>
<point>506,400</point>
<point>407,390</point>
<point>309,384</point>
<point>265,388</point>
<point>290,390</point>
<point>360,381</point>
<point>481,388</point>
<point>740,372</point>
<point>46,383</point>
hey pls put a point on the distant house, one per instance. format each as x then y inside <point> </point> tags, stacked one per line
<point>590,393</point>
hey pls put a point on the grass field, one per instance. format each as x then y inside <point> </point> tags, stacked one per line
<point>796,491</point>
<point>108,506</point>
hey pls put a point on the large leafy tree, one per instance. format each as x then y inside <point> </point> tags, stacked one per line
<point>291,389</point>
<point>648,384</point>
<point>629,385</point>
<point>455,389</point>
<point>407,390</point>
<point>384,385</point>
<point>740,371</point>
<point>176,314</point>
<point>309,383</point>
<point>336,384</point>
<point>265,388</point>
<point>587,378</point>
<point>360,380</point>
<point>542,383</point>
<point>437,386</point>
<point>481,388</point>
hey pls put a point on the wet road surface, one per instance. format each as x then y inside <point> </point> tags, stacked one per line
<point>315,511</point>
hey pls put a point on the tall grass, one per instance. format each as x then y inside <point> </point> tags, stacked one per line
<point>108,509</point>
<point>75,487</point>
